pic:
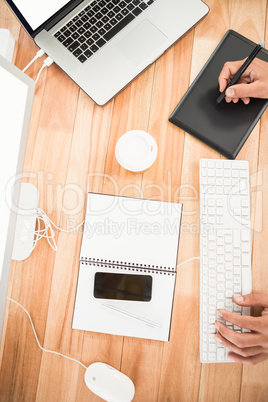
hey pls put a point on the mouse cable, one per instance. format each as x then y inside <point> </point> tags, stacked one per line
<point>37,340</point>
<point>57,353</point>
<point>47,62</point>
<point>48,231</point>
<point>190,259</point>
<point>40,53</point>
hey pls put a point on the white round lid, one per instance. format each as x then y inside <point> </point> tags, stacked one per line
<point>136,150</point>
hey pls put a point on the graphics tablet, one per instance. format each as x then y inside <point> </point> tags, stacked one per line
<point>224,127</point>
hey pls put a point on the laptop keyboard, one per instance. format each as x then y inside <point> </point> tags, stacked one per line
<point>97,23</point>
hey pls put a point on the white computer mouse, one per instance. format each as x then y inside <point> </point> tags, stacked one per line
<point>109,383</point>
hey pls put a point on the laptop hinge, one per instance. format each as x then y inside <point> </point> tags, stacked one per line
<point>61,14</point>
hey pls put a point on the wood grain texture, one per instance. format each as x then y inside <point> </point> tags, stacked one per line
<point>70,151</point>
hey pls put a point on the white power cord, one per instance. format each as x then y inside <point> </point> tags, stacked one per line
<point>47,62</point>
<point>38,54</point>
<point>37,340</point>
<point>48,231</point>
<point>31,321</point>
<point>190,259</point>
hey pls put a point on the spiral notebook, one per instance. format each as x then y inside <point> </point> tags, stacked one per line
<point>127,266</point>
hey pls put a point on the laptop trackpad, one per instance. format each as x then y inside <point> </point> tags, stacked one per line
<point>141,42</point>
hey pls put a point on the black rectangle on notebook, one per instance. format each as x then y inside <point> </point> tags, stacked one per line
<point>224,127</point>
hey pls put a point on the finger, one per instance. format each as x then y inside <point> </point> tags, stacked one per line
<point>245,352</point>
<point>260,300</point>
<point>228,71</point>
<point>248,360</point>
<point>264,311</point>
<point>246,322</point>
<point>243,90</point>
<point>246,100</point>
<point>242,340</point>
<point>235,100</point>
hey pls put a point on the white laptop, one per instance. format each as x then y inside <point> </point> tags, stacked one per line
<point>103,44</point>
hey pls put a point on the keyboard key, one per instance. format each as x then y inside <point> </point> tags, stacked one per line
<point>73,46</point>
<point>100,42</point>
<point>82,58</point>
<point>225,264</point>
<point>117,28</point>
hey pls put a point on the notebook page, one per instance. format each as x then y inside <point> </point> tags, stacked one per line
<point>131,231</point>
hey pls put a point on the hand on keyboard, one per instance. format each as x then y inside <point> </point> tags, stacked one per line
<point>247,347</point>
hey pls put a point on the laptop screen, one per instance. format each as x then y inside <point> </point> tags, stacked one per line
<point>37,12</point>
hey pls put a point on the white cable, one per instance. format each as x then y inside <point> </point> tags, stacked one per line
<point>190,259</point>
<point>37,340</point>
<point>48,231</point>
<point>38,54</point>
<point>47,62</point>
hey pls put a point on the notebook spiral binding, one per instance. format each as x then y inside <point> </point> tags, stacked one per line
<point>129,266</point>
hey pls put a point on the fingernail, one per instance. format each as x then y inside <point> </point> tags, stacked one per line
<point>217,326</point>
<point>220,313</point>
<point>239,298</point>
<point>229,92</point>
<point>218,339</point>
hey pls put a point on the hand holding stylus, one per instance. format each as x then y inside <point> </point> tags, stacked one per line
<point>252,84</point>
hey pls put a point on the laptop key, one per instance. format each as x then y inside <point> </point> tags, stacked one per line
<point>113,21</point>
<point>94,48</point>
<point>84,47</point>
<point>90,41</point>
<point>101,42</point>
<point>119,17</point>
<point>117,28</point>
<point>88,53</point>
<point>96,36</point>
<point>82,39</point>
<point>105,19</point>
<point>143,6</point>
<point>73,46</point>
<point>102,31</point>
<point>85,18</point>
<point>77,52</point>
<point>107,26</point>
<point>61,38</point>
<point>137,11</point>
<point>67,42</point>
<point>75,35</point>
<point>104,10</point>
<point>93,29</point>
<point>82,58</point>
<point>72,28</point>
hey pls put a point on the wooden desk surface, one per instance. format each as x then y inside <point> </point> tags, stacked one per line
<point>70,152</point>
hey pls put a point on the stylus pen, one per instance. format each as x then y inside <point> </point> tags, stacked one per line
<point>135,317</point>
<point>242,69</point>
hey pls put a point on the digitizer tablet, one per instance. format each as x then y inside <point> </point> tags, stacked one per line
<point>224,127</point>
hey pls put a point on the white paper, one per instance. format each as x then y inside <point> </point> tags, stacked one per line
<point>132,231</point>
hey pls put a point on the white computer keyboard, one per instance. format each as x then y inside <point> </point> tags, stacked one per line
<point>225,248</point>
